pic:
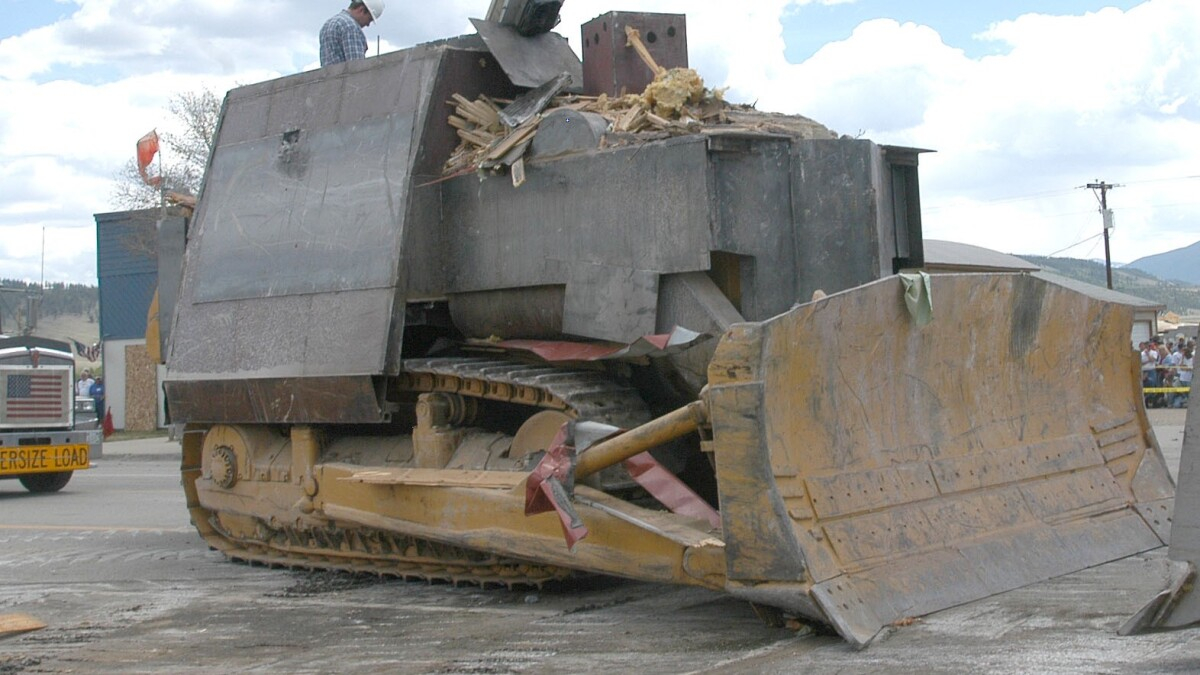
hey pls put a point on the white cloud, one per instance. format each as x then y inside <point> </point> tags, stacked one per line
<point>883,78</point>
<point>1067,99</point>
<point>1108,94</point>
<point>1074,99</point>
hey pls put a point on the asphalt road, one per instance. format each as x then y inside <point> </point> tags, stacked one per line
<point>114,569</point>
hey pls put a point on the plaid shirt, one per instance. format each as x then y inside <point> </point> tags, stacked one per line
<point>342,40</point>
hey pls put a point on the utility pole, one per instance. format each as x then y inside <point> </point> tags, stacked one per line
<point>1108,223</point>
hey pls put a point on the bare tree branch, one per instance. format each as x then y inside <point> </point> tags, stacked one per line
<point>187,157</point>
<point>198,111</point>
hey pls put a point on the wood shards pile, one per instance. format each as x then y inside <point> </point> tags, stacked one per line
<point>478,122</point>
<point>678,105</point>
<point>674,103</point>
<point>490,144</point>
<point>485,141</point>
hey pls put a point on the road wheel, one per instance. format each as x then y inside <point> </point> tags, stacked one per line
<point>46,482</point>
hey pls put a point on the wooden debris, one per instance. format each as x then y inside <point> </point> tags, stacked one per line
<point>633,38</point>
<point>518,172</point>
<point>660,122</point>
<point>520,136</point>
<point>14,624</point>
<point>517,153</point>
<point>478,125</point>
<point>476,137</point>
<point>480,112</point>
<point>631,120</point>
<point>676,103</point>
<point>180,199</point>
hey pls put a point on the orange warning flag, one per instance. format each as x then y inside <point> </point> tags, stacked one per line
<point>147,147</point>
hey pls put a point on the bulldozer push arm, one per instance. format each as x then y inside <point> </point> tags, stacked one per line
<point>869,469</point>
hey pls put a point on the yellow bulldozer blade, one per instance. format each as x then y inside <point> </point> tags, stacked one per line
<point>873,469</point>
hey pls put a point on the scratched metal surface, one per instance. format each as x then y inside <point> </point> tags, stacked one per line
<point>910,468</point>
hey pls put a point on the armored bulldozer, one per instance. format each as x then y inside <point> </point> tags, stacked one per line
<point>702,354</point>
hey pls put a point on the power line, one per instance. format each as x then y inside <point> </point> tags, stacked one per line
<point>1161,180</point>
<point>1005,200</point>
<point>1141,207</point>
<point>1061,193</point>
<point>1036,195</point>
<point>1078,243</point>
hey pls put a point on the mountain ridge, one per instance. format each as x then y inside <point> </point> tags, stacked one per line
<point>1180,297</point>
<point>1181,264</point>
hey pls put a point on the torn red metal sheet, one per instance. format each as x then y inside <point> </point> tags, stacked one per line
<point>669,490</point>
<point>551,484</point>
<point>550,487</point>
<point>650,345</point>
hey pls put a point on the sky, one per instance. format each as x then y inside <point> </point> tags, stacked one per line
<point>1023,102</point>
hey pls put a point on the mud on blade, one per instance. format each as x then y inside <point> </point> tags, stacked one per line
<point>871,469</point>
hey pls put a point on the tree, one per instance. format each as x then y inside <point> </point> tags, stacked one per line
<point>199,112</point>
<point>185,154</point>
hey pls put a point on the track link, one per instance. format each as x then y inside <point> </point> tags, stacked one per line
<point>364,551</point>
<point>585,394</point>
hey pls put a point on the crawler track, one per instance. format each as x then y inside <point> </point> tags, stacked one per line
<point>579,393</point>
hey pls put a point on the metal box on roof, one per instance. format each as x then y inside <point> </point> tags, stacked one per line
<point>611,67</point>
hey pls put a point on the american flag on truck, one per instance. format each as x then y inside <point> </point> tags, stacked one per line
<point>36,396</point>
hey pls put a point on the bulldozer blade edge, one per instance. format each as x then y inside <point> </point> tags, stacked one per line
<point>873,470</point>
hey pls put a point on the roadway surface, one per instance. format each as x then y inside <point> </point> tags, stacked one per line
<point>114,569</point>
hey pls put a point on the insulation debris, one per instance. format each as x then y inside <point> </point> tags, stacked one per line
<point>673,90</point>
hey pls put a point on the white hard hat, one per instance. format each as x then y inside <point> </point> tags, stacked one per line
<point>375,7</point>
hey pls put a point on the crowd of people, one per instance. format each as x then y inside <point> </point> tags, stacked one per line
<point>1167,364</point>
<point>86,387</point>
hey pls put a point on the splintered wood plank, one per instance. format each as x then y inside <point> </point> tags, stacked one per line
<point>634,39</point>
<point>518,136</point>
<point>629,120</point>
<point>14,624</point>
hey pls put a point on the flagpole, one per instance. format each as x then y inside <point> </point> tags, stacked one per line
<point>162,188</point>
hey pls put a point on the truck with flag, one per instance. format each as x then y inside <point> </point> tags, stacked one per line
<point>46,432</point>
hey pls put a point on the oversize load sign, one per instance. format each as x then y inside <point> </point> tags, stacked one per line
<point>43,458</point>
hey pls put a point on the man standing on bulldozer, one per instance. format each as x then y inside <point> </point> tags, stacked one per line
<point>342,37</point>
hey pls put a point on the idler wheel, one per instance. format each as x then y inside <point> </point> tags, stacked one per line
<point>537,432</point>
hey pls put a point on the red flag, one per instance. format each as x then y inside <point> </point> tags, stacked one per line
<point>147,147</point>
